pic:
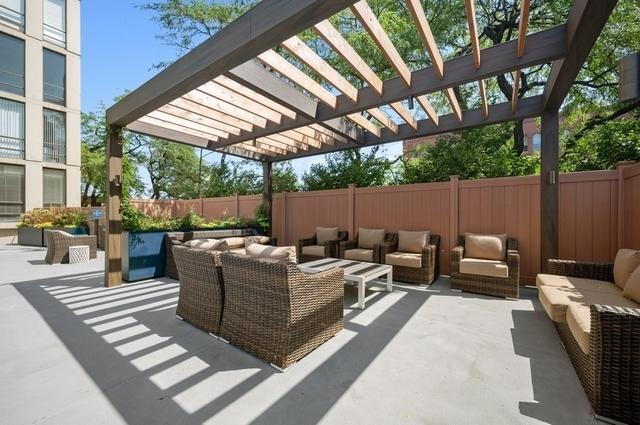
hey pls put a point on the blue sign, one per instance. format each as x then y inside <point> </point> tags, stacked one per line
<point>97,213</point>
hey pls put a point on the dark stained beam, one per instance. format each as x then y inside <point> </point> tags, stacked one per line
<point>549,188</point>
<point>586,20</point>
<point>527,108</point>
<point>267,193</point>
<point>113,240</point>
<point>267,24</point>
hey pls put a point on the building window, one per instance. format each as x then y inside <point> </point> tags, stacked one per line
<point>55,21</point>
<point>11,64</point>
<point>54,72</point>
<point>11,129</point>
<point>536,143</point>
<point>54,146</point>
<point>54,188</point>
<point>12,11</point>
<point>11,192</point>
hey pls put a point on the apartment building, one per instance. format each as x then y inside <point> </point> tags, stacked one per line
<point>39,107</point>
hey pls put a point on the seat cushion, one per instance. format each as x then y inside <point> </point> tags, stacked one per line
<point>262,240</point>
<point>412,241</point>
<point>367,238</point>
<point>359,254</point>
<point>556,299</point>
<point>632,287</point>
<point>579,322</point>
<point>626,261</point>
<point>324,234</point>
<point>576,282</point>
<point>239,251</point>
<point>488,247</point>
<point>285,253</point>
<point>235,242</point>
<point>208,244</point>
<point>482,267</point>
<point>315,250</point>
<point>404,259</point>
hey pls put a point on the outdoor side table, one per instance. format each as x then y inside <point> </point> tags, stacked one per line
<point>78,254</point>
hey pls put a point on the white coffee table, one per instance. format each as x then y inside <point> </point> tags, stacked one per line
<point>359,272</point>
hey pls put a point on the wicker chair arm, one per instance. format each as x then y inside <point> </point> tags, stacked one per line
<point>583,269</point>
<point>612,329</point>
<point>331,248</point>
<point>513,262</point>
<point>308,241</point>
<point>429,255</point>
<point>381,250</point>
<point>345,245</point>
<point>330,275</point>
<point>457,254</point>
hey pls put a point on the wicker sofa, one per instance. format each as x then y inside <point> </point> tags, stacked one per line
<point>368,253</point>
<point>600,329</point>
<point>58,243</point>
<point>506,286</point>
<point>429,262</point>
<point>275,311</point>
<point>201,295</point>
<point>309,249</point>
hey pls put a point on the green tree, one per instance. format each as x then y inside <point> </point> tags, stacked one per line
<point>284,178</point>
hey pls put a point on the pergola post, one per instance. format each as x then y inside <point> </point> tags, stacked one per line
<point>549,187</point>
<point>113,240</point>
<point>267,193</point>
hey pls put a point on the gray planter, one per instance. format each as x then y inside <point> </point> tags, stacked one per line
<point>30,236</point>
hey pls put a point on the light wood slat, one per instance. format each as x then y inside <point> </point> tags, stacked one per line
<point>522,27</point>
<point>364,123</point>
<point>259,149</point>
<point>483,98</point>
<point>310,58</point>
<point>201,110</point>
<point>316,134</point>
<point>335,136</point>
<point>383,118</point>
<point>277,145</point>
<point>294,135</point>
<point>342,47</point>
<point>257,97</point>
<point>289,71</point>
<point>470,10</point>
<point>455,106</point>
<point>213,102</point>
<point>366,16</point>
<point>426,105</point>
<point>191,116</point>
<point>405,114</point>
<point>175,127</point>
<point>429,42</point>
<point>240,100</point>
<point>188,123</point>
<point>516,90</point>
<point>288,141</point>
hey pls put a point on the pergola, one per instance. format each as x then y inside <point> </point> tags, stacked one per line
<point>235,94</point>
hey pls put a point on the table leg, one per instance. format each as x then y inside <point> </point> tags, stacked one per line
<point>390,281</point>
<point>361,288</point>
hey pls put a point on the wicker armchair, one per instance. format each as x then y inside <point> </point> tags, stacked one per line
<point>610,370</point>
<point>378,257</point>
<point>201,295</point>
<point>425,275</point>
<point>58,243</point>
<point>330,247</point>
<point>508,287</point>
<point>276,312</point>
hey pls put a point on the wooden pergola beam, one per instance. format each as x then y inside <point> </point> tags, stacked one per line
<point>470,10</point>
<point>428,40</point>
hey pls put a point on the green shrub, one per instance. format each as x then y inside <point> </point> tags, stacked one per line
<point>43,218</point>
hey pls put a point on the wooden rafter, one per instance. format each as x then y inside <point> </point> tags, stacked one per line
<point>200,109</point>
<point>383,118</point>
<point>288,141</point>
<point>208,121</point>
<point>276,144</point>
<point>522,26</point>
<point>426,106</point>
<point>163,116</point>
<point>207,102</point>
<point>516,91</point>
<point>242,101</point>
<point>483,98</point>
<point>250,94</point>
<point>470,9</point>
<point>299,137</point>
<point>363,122</point>
<point>368,19</point>
<point>404,113</point>
<point>453,101</point>
<point>177,127</point>
<point>424,29</point>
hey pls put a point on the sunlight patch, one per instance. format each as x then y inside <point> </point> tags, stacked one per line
<point>178,373</point>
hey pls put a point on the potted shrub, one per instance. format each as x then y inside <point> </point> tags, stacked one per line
<point>33,224</point>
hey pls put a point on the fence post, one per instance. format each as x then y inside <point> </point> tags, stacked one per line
<point>351,194</point>
<point>454,216</point>
<point>283,218</point>
<point>237,205</point>
<point>620,166</point>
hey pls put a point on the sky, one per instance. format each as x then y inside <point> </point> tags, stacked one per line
<point>119,49</point>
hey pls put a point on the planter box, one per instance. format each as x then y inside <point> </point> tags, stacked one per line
<point>143,255</point>
<point>30,236</point>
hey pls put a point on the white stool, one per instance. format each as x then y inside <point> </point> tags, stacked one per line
<point>78,254</point>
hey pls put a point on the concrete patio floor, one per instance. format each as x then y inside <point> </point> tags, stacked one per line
<point>73,352</point>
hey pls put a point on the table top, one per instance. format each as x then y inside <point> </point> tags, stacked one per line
<point>79,247</point>
<point>351,267</point>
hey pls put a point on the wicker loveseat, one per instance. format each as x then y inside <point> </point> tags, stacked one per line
<point>600,330</point>
<point>499,278</point>
<point>275,311</point>
<point>58,243</point>
<point>422,268</point>
<point>201,295</point>
<point>321,245</point>
<point>372,252</point>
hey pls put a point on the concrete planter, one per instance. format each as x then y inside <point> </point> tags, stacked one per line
<point>30,236</point>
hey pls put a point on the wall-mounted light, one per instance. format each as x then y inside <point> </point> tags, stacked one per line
<point>116,181</point>
<point>552,177</point>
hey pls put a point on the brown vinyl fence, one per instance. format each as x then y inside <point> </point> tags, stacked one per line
<point>594,220</point>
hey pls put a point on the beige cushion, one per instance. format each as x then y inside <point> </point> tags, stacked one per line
<point>404,259</point>
<point>359,254</point>
<point>239,251</point>
<point>263,240</point>
<point>324,234</point>
<point>412,241</point>
<point>235,242</point>
<point>315,250</point>
<point>285,253</point>
<point>489,247</point>
<point>209,244</point>
<point>577,283</point>
<point>367,238</point>
<point>579,322</point>
<point>632,288</point>
<point>479,266</point>
<point>556,299</point>
<point>627,260</point>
